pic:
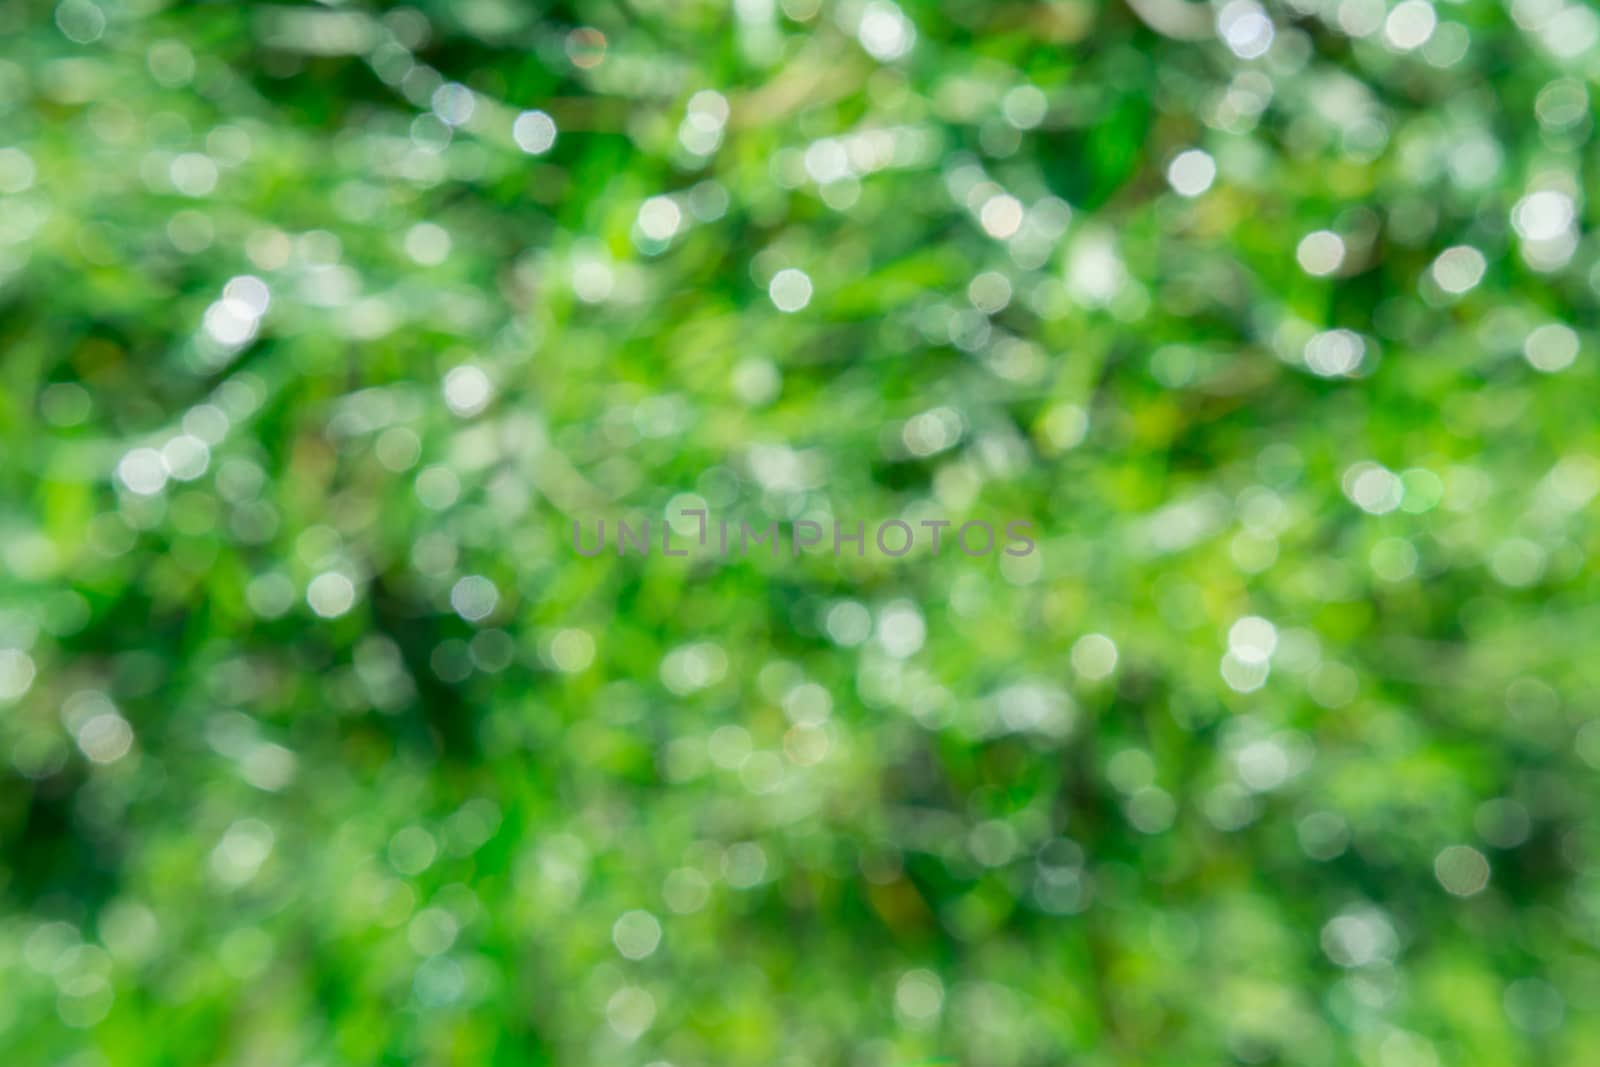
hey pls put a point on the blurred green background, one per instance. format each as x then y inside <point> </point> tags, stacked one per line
<point>320,324</point>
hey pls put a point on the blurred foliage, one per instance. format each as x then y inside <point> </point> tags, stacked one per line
<point>322,324</point>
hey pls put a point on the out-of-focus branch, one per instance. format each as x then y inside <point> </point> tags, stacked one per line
<point>1174,18</point>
